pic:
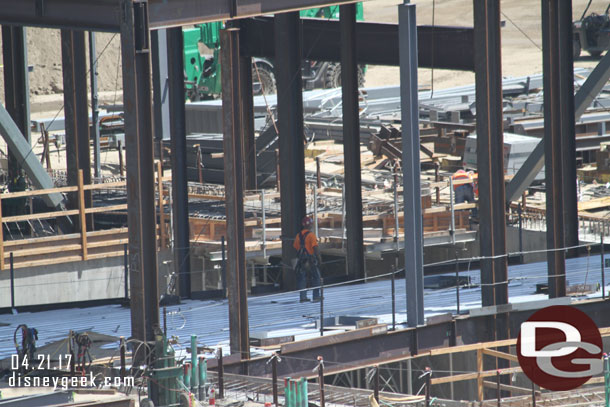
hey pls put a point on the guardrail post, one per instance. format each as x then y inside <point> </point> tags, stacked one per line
<point>161,206</point>
<point>81,214</point>
<point>12,283</point>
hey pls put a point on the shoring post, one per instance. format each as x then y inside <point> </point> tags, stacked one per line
<point>603,265</point>
<point>393,298</point>
<point>162,244</point>
<point>321,307</point>
<point>71,352</point>
<point>274,379</point>
<point>321,380</point>
<point>81,215</point>
<point>451,198</point>
<point>12,281</point>
<point>376,389</point>
<point>457,282</point>
<point>126,271</point>
<point>606,379</point>
<point>437,178</point>
<point>123,364</point>
<point>318,177</point>
<point>223,266</point>
<point>120,148</point>
<point>199,164</point>
<point>534,395</point>
<point>498,393</point>
<point>277,169</point>
<point>195,379</point>
<point>165,321</point>
<point>428,374</point>
<point>221,380</point>
<point>315,211</point>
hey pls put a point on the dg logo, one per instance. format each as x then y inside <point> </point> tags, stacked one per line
<point>560,348</point>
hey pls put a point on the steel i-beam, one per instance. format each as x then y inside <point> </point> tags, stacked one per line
<point>175,63</point>
<point>137,92</point>
<point>233,141</point>
<point>74,66</point>
<point>351,142</point>
<point>490,150</point>
<point>413,244</point>
<point>16,84</point>
<point>556,131</point>
<point>290,123</point>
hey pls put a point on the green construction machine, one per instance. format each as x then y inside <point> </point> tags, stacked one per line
<point>202,62</point>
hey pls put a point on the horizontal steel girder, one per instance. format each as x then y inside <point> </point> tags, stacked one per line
<point>103,15</point>
<point>440,47</point>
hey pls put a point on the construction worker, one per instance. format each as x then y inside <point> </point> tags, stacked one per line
<point>308,261</point>
<point>463,192</point>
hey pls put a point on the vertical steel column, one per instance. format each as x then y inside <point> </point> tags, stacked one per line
<point>245,70</point>
<point>351,141</point>
<point>161,100</point>
<point>490,150</point>
<point>137,92</point>
<point>74,66</point>
<point>288,44</point>
<point>95,119</point>
<point>16,83</point>
<point>568,127</point>
<point>233,141</point>
<point>413,245</point>
<point>554,154</point>
<point>175,61</point>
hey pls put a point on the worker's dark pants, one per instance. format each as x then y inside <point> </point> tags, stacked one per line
<point>464,193</point>
<point>308,275</point>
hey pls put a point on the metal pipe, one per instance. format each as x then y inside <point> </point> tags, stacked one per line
<point>396,223</point>
<point>318,175</point>
<point>274,380</point>
<point>264,225</point>
<point>451,197</point>
<point>202,377</point>
<point>223,265</point>
<point>121,167</point>
<point>376,389</point>
<point>221,381</point>
<point>321,307</point>
<point>393,298</point>
<point>12,281</point>
<point>165,321</point>
<point>321,380</point>
<point>95,125</point>
<point>315,210</point>
<point>126,271</point>
<point>457,282</point>
<point>122,347</point>
<point>533,395</point>
<point>428,377</point>
<point>602,250</point>
<point>195,379</point>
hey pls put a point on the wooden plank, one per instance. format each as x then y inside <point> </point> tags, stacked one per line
<point>81,214</point>
<point>39,192</point>
<point>108,243</point>
<point>107,185</point>
<point>479,376</point>
<point>506,387</point>
<point>594,204</point>
<point>43,250</point>
<point>45,215</point>
<point>110,208</point>
<point>502,355</point>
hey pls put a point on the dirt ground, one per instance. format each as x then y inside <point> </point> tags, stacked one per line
<point>521,47</point>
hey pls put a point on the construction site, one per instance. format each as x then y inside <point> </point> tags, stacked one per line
<point>302,203</point>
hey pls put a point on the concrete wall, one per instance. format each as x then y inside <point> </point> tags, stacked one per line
<point>67,282</point>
